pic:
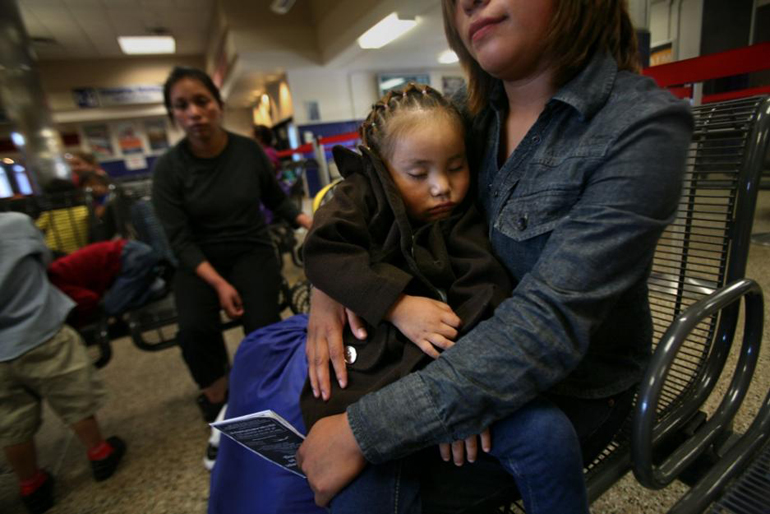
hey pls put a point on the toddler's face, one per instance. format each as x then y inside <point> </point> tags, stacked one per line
<point>428,165</point>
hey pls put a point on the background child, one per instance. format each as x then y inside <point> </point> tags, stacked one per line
<point>42,358</point>
<point>118,275</point>
<point>66,228</point>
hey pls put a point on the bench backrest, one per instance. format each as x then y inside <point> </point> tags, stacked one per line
<point>705,248</point>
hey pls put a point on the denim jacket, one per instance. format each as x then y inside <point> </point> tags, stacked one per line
<point>574,214</point>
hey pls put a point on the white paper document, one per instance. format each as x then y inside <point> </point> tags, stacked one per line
<point>268,435</point>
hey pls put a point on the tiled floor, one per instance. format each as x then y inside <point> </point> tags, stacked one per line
<point>152,407</point>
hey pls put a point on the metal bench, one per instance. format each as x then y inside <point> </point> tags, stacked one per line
<point>695,289</point>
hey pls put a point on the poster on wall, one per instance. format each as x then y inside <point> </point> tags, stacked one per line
<point>98,137</point>
<point>450,86</point>
<point>156,134</point>
<point>128,138</point>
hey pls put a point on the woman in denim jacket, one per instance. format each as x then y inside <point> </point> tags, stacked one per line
<point>580,169</point>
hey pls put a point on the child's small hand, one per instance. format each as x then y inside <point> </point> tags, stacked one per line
<point>459,450</point>
<point>427,323</point>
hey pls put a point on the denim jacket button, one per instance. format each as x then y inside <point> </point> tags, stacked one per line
<point>521,223</point>
<point>350,355</point>
<point>536,139</point>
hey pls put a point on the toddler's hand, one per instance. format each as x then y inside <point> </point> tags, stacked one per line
<point>428,323</point>
<point>459,450</point>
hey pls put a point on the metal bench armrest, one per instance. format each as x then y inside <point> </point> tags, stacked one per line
<point>647,431</point>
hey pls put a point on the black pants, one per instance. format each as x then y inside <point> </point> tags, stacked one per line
<point>254,273</point>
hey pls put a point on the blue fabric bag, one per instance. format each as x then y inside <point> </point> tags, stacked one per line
<point>269,372</point>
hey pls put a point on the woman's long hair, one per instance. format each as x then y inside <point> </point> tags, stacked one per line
<point>579,28</point>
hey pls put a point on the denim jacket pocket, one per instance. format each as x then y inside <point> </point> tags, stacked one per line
<point>526,217</point>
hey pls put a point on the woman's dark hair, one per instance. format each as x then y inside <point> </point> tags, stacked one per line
<point>183,72</point>
<point>264,135</point>
<point>579,29</point>
<point>377,131</point>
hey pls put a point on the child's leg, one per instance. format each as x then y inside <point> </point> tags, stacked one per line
<point>540,448</point>
<point>22,458</point>
<point>88,432</point>
<point>390,488</point>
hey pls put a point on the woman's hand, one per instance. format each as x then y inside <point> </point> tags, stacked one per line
<point>229,300</point>
<point>458,451</point>
<point>303,220</point>
<point>330,457</point>
<point>428,323</point>
<point>324,341</point>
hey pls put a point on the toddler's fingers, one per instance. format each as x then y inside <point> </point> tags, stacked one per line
<point>439,341</point>
<point>458,452</point>
<point>471,448</point>
<point>428,349</point>
<point>448,332</point>
<point>356,325</point>
<point>486,441</point>
<point>451,319</point>
<point>445,451</point>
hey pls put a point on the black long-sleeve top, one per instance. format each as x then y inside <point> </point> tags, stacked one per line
<point>202,201</point>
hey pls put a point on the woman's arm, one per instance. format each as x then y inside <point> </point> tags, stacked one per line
<point>169,208</point>
<point>595,254</point>
<point>535,337</point>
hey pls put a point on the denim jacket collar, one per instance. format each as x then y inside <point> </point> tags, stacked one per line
<point>586,92</point>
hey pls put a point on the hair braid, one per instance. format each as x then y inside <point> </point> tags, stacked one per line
<point>413,97</point>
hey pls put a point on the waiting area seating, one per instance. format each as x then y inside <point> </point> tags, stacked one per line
<point>695,288</point>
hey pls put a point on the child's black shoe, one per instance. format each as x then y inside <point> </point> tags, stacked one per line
<point>104,468</point>
<point>41,499</point>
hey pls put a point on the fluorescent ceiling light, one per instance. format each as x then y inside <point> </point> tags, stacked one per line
<point>389,29</point>
<point>448,57</point>
<point>147,44</point>
<point>391,83</point>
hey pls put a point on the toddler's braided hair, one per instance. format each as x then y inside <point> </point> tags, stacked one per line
<point>375,132</point>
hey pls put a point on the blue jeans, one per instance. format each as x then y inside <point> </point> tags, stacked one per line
<point>536,450</point>
<point>132,287</point>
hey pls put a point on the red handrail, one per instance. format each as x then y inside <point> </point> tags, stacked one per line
<point>326,141</point>
<point>677,76</point>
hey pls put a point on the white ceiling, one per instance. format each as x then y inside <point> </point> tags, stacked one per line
<point>268,44</point>
<point>418,48</point>
<point>88,29</point>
